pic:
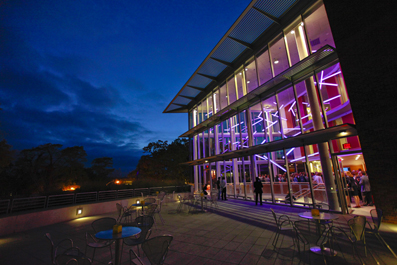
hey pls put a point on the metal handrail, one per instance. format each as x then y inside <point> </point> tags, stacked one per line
<point>9,206</point>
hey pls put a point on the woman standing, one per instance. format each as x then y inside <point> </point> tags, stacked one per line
<point>353,187</point>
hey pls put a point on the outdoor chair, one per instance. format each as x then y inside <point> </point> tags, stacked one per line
<point>155,249</point>
<point>144,221</point>
<point>72,256</point>
<point>158,211</point>
<point>305,232</point>
<point>181,203</point>
<point>101,224</point>
<point>214,200</point>
<point>283,223</point>
<point>145,226</point>
<point>377,217</point>
<point>147,200</point>
<point>124,213</point>
<point>56,248</point>
<point>357,234</point>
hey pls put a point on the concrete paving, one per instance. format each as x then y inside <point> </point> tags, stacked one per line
<point>237,232</point>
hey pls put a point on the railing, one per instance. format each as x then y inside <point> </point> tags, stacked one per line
<point>34,203</point>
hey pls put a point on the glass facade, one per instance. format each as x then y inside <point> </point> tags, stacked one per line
<point>302,175</point>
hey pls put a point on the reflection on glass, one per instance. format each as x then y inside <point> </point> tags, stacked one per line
<point>217,105</point>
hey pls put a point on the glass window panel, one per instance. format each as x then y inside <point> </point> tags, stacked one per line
<point>264,68</point>
<point>334,95</point>
<point>251,77</point>
<point>240,84</point>
<point>258,132</point>
<point>262,164</point>
<point>231,90</point>
<point>223,97</point>
<point>318,29</point>
<point>280,184</point>
<point>204,109</point>
<point>210,109</point>
<point>226,141</point>
<point>272,126</point>
<point>304,108</point>
<point>216,101</point>
<point>295,39</point>
<point>288,112</point>
<point>278,55</point>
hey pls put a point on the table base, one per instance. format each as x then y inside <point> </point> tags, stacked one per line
<point>327,251</point>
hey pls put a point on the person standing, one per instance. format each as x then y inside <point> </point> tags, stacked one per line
<point>258,190</point>
<point>218,186</point>
<point>365,188</point>
<point>223,188</point>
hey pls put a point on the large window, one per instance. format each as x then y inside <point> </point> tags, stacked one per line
<point>264,68</point>
<point>278,55</point>
<point>251,77</point>
<point>318,29</point>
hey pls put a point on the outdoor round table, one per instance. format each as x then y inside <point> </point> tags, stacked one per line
<point>321,217</point>
<point>127,231</point>
<point>140,204</point>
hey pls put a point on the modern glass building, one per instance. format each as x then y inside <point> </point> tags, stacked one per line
<point>270,101</point>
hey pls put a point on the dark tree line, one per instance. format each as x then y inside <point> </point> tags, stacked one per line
<point>162,161</point>
<point>47,168</point>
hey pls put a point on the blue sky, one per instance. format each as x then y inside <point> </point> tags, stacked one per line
<point>99,74</point>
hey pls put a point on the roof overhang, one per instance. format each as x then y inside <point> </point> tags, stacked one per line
<point>319,136</point>
<point>261,21</point>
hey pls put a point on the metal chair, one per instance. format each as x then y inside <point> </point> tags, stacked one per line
<point>214,200</point>
<point>357,234</point>
<point>281,225</point>
<point>145,223</point>
<point>101,224</point>
<point>155,249</point>
<point>123,213</point>
<point>64,243</point>
<point>377,217</point>
<point>305,233</point>
<point>158,210</point>
<point>72,256</point>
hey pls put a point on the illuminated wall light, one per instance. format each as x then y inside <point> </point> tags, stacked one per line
<point>276,62</point>
<point>343,132</point>
<point>248,82</point>
<point>79,211</point>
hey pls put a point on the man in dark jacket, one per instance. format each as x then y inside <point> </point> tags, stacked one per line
<point>258,190</point>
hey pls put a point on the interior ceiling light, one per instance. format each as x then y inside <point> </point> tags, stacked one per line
<point>292,31</point>
<point>248,82</point>
<point>343,132</point>
<point>276,61</point>
<point>302,24</point>
<point>239,73</point>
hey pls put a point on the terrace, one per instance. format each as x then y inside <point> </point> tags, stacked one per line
<point>237,232</point>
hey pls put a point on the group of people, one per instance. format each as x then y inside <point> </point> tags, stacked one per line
<point>357,183</point>
<point>294,177</point>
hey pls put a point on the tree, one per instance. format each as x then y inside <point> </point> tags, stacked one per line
<point>163,160</point>
<point>101,168</point>
<point>6,155</point>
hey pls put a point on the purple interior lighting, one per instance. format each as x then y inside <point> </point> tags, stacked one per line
<point>292,149</point>
<point>290,108</point>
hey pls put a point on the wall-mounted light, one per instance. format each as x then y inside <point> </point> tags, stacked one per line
<point>79,211</point>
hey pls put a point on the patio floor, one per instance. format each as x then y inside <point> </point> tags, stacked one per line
<point>238,232</point>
